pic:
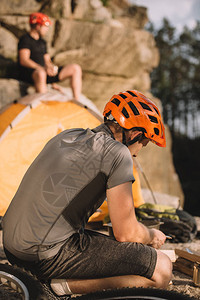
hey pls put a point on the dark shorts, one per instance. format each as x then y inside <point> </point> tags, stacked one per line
<point>94,255</point>
<point>25,74</point>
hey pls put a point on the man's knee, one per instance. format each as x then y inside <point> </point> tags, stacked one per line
<point>76,69</point>
<point>39,75</point>
<point>73,70</point>
<point>163,270</point>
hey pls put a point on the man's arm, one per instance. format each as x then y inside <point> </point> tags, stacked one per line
<point>49,66</point>
<point>25,61</point>
<point>126,228</point>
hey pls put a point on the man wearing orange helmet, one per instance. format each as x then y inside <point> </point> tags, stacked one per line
<point>66,183</point>
<point>35,65</point>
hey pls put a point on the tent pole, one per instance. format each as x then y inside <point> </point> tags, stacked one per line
<point>138,165</point>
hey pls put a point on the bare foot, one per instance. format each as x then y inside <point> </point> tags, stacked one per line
<point>57,88</point>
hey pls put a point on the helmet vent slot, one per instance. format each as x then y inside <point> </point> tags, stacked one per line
<point>156,130</point>
<point>125,113</point>
<point>153,119</point>
<point>132,94</point>
<point>123,96</point>
<point>116,101</point>
<point>145,106</point>
<point>156,110</point>
<point>133,108</point>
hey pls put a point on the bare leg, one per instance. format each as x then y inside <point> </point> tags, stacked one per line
<point>93,285</point>
<point>163,271</point>
<point>160,279</point>
<point>74,71</point>
<point>39,77</point>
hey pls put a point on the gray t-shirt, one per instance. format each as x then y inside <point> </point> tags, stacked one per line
<point>62,188</point>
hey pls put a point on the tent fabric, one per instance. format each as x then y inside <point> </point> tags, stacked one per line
<point>8,115</point>
<point>25,138</point>
<point>136,189</point>
<point>25,128</point>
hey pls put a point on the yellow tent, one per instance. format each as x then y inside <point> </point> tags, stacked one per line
<point>26,126</point>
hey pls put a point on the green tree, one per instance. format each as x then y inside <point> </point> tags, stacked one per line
<point>176,81</point>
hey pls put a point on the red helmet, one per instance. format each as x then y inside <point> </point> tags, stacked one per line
<point>39,18</point>
<point>131,109</point>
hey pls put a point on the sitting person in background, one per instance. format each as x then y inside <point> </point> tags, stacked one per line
<point>35,65</point>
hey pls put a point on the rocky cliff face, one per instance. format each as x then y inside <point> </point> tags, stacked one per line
<point>113,49</point>
<point>110,44</point>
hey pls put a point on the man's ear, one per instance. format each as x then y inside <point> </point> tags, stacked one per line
<point>135,133</point>
<point>38,26</point>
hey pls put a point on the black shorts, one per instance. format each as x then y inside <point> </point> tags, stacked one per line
<point>25,74</point>
<point>95,255</point>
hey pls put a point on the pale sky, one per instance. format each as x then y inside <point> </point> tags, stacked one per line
<point>178,12</point>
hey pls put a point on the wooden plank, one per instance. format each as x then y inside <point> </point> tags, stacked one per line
<point>192,257</point>
<point>183,265</point>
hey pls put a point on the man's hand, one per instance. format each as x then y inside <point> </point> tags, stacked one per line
<point>51,70</point>
<point>158,238</point>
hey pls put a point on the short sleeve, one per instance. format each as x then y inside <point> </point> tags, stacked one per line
<point>24,43</point>
<point>122,168</point>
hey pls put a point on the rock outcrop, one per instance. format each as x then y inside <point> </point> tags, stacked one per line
<point>113,49</point>
<point>109,43</point>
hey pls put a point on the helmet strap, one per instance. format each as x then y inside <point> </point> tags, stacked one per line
<point>124,137</point>
<point>136,139</point>
<point>139,137</point>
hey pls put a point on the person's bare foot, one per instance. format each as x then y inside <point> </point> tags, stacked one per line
<point>57,88</point>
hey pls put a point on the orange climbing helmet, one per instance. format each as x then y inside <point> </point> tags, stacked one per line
<point>132,110</point>
<point>39,18</point>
